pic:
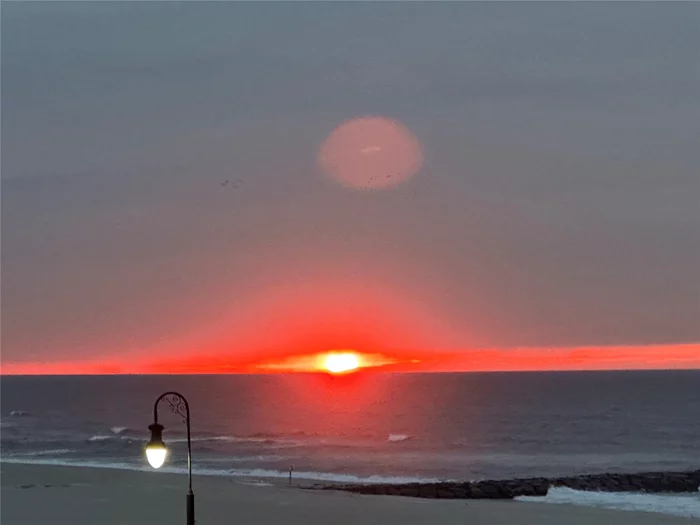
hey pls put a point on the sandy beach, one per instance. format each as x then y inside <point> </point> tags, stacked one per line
<point>53,495</point>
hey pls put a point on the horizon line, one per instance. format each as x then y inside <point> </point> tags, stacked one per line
<point>368,370</point>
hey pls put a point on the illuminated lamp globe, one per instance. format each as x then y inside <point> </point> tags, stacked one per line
<point>156,451</point>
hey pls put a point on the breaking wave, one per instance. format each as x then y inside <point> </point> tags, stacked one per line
<point>99,437</point>
<point>40,453</point>
<point>686,506</point>
<point>239,439</point>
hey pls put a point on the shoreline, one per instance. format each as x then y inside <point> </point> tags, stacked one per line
<point>273,476</point>
<point>658,481</point>
<point>59,495</point>
<point>662,481</point>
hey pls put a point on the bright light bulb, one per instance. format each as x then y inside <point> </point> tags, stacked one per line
<point>156,455</point>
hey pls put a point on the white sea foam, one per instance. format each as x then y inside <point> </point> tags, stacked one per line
<point>396,438</point>
<point>99,437</point>
<point>19,413</point>
<point>119,430</point>
<point>279,443</point>
<point>38,453</point>
<point>684,505</point>
<point>241,459</point>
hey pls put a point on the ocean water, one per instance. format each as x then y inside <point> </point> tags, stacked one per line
<point>373,427</point>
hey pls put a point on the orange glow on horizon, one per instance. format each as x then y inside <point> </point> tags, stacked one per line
<point>333,362</point>
<point>679,356</point>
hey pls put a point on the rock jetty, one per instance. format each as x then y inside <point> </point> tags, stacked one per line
<point>655,482</point>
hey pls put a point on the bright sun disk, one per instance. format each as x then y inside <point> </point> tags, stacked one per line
<point>342,362</point>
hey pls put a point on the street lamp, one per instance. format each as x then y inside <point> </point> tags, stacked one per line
<point>157,452</point>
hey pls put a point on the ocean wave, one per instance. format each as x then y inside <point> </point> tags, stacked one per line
<point>100,437</point>
<point>124,434</point>
<point>397,438</point>
<point>290,439</point>
<point>686,506</point>
<point>39,453</point>
<point>276,435</point>
<point>281,443</point>
<point>243,459</point>
<point>19,413</point>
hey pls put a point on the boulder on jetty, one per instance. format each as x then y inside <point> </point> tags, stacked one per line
<point>508,489</point>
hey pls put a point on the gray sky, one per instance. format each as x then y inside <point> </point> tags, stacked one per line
<point>558,203</point>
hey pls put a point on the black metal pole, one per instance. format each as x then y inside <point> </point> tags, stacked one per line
<point>177,405</point>
<point>190,508</point>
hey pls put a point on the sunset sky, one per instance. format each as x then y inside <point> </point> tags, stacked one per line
<point>185,187</point>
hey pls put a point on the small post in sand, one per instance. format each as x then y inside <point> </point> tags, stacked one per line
<point>291,468</point>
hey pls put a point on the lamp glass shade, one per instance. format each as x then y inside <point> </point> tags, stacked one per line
<point>156,451</point>
<point>156,454</point>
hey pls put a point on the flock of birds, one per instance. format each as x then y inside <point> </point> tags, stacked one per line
<point>377,177</point>
<point>232,184</point>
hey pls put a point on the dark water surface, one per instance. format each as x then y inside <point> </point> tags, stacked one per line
<point>436,426</point>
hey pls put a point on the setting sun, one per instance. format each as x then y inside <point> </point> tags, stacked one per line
<point>340,363</point>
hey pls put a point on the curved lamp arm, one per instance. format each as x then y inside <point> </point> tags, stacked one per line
<point>180,406</point>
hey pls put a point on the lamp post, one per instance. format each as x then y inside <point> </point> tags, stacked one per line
<point>156,451</point>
